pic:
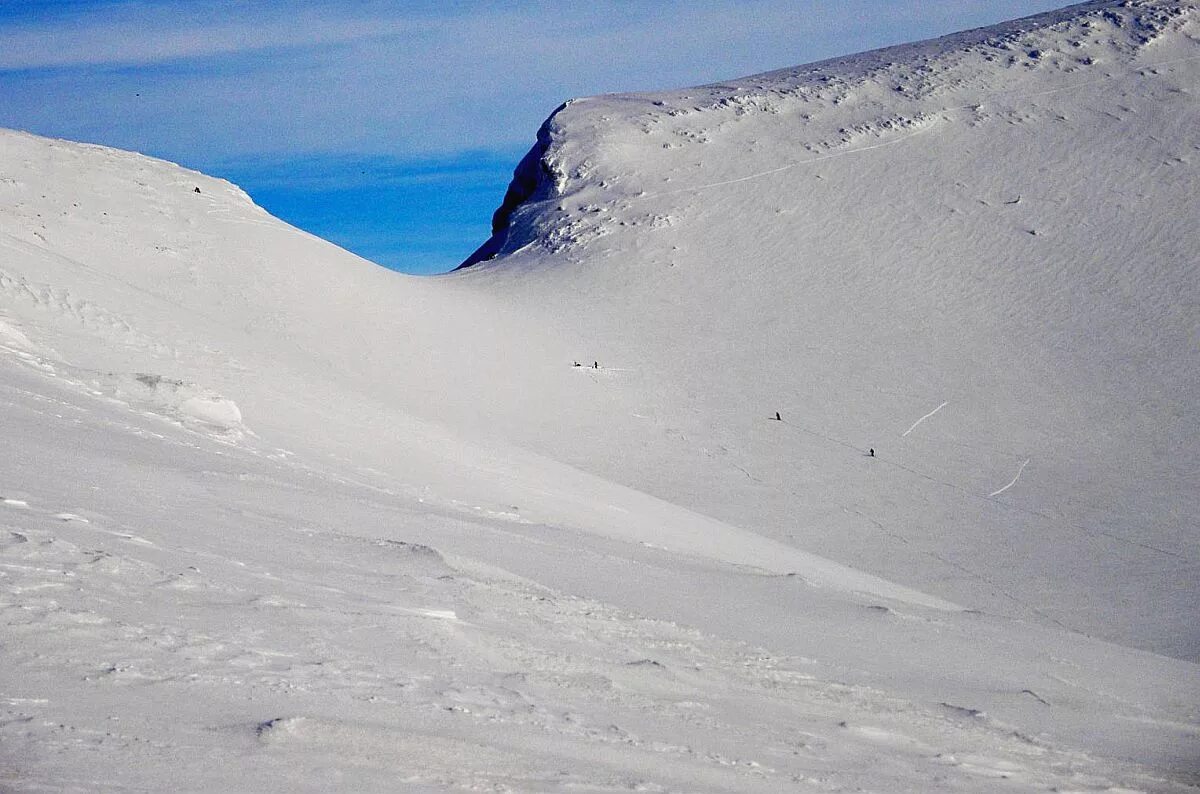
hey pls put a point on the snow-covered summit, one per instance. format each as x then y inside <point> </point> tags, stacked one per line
<point>822,108</point>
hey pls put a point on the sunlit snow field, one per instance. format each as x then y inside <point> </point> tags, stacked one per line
<point>273,518</point>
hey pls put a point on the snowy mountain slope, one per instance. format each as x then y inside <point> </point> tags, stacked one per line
<point>181,613</point>
<point>998,226</point>
<point>276,308</point>
<point>275,519</point>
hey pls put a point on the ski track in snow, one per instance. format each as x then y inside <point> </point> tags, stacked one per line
<point>1014,479</point>
<point>922,419</point>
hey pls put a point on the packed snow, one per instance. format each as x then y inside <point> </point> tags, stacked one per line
<point>273,518</point>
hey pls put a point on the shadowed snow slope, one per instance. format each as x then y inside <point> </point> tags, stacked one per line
<point>1001,225</point>
<point>273,518</point>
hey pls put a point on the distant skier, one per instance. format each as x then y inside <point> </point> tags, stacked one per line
<point>778,418</point>
<point>871,453</point>
<point>595,365</point>
<point>576,364</point>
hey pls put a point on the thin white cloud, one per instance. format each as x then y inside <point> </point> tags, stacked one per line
<point>132,34</point>
<point>141,33</point>
<point>202,80</point>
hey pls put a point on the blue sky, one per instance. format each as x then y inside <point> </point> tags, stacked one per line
<point>391,128</point>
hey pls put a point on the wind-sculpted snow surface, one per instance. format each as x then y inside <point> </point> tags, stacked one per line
<point>824,430</point>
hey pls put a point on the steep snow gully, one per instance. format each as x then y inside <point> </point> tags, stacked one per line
<point>883,474</point>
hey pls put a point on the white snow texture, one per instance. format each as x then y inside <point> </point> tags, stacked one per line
<point>273,518</point>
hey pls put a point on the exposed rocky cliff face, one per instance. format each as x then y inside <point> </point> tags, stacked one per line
<point>533,179</point>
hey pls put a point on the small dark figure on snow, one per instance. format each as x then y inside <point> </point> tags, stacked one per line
<point>778,418</point>
<point>871,452</point>
<point>576,364</point>
<point>197,190</point>
<point>595,365</point>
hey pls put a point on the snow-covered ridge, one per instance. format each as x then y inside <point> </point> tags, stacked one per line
<point>829,106</point>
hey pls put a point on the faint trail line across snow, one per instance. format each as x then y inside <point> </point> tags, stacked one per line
<point>1001,590</point>
<point>931,117</point>
<point>1014,479</point>
<point>1028,510</point>
<point>789,166</point>
<point>819,434</point>
<point>743,471</point>
<point>878,525</point>
<point>1002,505</point>
<point>1018,92</point>
<point>922,419</point>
